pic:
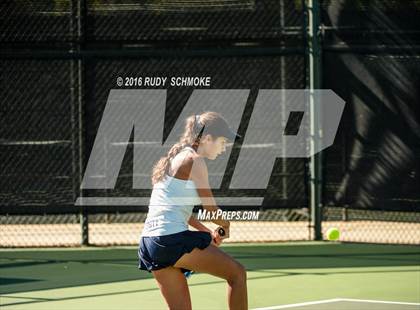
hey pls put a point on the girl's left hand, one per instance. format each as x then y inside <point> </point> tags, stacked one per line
<point>217,240</point>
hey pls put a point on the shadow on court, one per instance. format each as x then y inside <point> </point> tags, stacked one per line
<point>39,269</point>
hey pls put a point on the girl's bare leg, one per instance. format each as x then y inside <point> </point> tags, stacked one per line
<point>214,261</point>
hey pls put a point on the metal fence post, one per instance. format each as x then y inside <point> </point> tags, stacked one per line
<point>81,20</point>
<point>314,66</point>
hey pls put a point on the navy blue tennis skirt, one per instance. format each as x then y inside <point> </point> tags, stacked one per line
<point>163,251</point>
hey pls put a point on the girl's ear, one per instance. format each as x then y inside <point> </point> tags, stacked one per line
<point>206,138</point>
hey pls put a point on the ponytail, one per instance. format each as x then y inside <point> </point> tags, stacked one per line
<point>188,138</point>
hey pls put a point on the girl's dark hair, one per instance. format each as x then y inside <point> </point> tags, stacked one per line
<point>214,124</point>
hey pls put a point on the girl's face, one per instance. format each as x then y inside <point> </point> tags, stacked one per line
<point>211,148</point>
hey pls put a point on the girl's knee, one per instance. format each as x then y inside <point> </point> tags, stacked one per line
<point>238,274</point>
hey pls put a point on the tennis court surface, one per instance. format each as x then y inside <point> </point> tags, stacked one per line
<point>303,275</point>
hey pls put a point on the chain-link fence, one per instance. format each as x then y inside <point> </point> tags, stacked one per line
<point>371,172</point>
<point>60,59</point>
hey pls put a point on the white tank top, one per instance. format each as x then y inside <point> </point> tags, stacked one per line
<point>170,206</point>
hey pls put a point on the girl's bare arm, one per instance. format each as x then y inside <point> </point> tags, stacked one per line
<point>199,174</point>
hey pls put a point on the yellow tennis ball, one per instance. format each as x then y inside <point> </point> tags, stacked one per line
<point>333,234</point>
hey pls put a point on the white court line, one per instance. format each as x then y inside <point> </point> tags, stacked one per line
<point>336,300</point>
<point>300,304</point>
<point>380,301</point>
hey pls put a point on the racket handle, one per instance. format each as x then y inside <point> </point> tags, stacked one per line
<point>221,232</point>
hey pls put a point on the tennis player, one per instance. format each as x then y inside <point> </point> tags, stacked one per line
<point>180,181</point>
